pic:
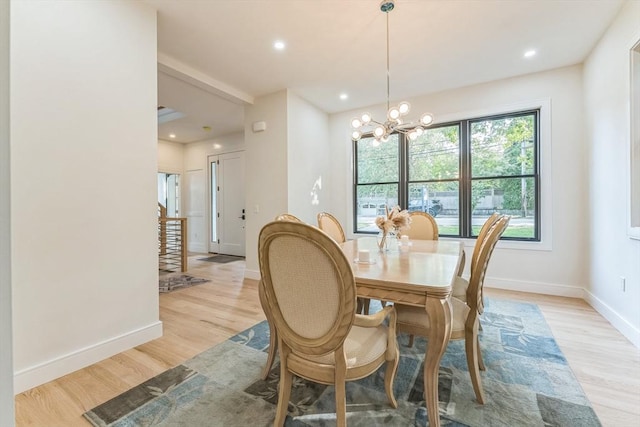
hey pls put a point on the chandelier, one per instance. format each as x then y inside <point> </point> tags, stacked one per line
<point>381,130</point>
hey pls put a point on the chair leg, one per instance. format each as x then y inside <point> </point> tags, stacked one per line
<point>410,341</point>
<point>480,361</point>
<point>273,336</point>
<point>273,349</point>
<point>389,377</point>
<point>471,349</point>
<point>341,404</point>
<point>365,309</point>
<point>340,387</point>
<point>284,392</point>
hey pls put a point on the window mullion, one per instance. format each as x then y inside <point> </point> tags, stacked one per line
<point>465,180</point>
<point>403,189</point>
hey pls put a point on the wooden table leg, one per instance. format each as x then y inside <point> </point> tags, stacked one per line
<point>439,312</point>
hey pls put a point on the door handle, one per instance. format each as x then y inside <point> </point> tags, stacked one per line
<point>242,216</point>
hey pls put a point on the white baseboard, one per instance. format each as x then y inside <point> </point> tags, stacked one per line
<point>535,287</point>
<point>620,323</point>
<point>34,376</point>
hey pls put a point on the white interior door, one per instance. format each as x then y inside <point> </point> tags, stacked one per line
<point>227,204</point>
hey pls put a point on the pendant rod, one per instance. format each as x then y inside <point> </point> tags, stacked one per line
<point>388,78</point>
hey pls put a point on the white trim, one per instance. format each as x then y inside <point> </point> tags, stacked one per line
<point>41,373</point>
<point>535,287</point>
<point>620,323</point>
<point>633,206</point>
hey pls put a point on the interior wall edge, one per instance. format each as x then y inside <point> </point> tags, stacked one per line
<point>7,407</point>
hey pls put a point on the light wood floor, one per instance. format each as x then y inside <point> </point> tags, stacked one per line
<point>196,318</point>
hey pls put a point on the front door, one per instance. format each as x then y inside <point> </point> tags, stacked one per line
<point>226,173</point>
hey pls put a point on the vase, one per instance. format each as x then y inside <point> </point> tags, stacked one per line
<point>387,240</point>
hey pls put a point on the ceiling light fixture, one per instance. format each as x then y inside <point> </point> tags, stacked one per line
<point>394,122</point>
<point>172,135</point>
<point>279,45</point>
<point>344,96</point>
<point>530,53</point>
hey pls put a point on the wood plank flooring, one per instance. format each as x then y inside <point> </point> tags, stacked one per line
<point>196,318</point>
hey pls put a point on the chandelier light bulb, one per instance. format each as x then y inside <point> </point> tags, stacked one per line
<point>378,131</point>
<point>366,118</point>
<point>394,113</point>
<point>426,119</point>
<point>356,135</point>
<point>385,137</point>
<point>375,142</point>
<point>419,130</point>
<point>404,108</point>
<point>356,123</point>
<point>413,135</point>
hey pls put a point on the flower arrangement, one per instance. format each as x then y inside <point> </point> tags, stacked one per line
<point>394,220</point>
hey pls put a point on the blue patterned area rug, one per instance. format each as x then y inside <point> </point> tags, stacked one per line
<point>527,383</point>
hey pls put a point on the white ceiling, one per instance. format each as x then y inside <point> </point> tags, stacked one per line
<point>339,46</point>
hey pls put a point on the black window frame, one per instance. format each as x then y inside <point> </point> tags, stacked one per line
<point>465,178</point>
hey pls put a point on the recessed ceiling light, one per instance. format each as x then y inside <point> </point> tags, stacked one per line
<point>279,45</point>
<point>344,96</point>
<point>530,53</point>
<point>172,135</point>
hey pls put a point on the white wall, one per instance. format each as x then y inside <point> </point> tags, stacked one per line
<point>266,166</point>
<point>6,346</point>
<point>612,253</point>
<point>309,156</point>
<point>196,187</point>
<point>170,157</point>
<point>556,265</point>
<point>83,184</point>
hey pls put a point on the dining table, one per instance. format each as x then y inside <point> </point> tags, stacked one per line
<point>418,273</point>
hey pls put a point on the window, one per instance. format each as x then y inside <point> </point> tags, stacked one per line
<point>459,172</point>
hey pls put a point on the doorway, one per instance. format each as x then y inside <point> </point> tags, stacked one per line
<point>169,193</point>
<point>226,207</point>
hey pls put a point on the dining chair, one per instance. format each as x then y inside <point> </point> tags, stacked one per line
<point>465,315</point>
<point>273,335</point>
<point>330,225</point>
<point>423,227</point>
<point>310,294</point>
<point>460,284</point>
<point>288,217</point>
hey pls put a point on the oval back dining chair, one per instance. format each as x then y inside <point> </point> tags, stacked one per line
<point>273,335</point>
<point>310,293</point>
<point>330,225</point>
<point>465,315</point>
<point>423,226</point>
<point>288,217</point>
<point>460,284</point>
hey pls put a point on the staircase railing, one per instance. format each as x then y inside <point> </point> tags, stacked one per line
<point>172,242</point>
